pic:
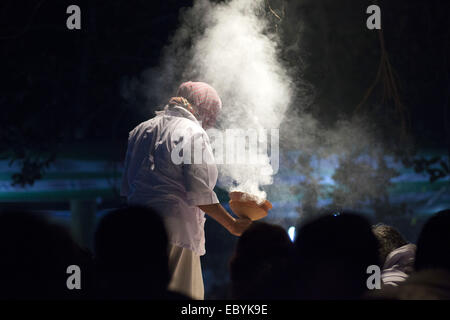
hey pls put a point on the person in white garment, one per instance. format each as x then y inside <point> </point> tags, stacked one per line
<point>169,166</point>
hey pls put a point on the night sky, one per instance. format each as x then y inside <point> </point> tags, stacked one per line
<point>61,86</point>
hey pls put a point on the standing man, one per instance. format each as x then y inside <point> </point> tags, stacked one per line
<point>181,191</point>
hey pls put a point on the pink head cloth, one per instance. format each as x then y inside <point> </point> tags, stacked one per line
<point>204,100</point>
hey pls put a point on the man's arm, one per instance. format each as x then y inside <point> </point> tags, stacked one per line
<point>218,213</point>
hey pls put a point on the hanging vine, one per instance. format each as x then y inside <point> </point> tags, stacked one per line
<point>390,92</point>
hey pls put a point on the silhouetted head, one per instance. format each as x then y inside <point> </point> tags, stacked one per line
<point>433,245</point>
<point>389,239</point>
<point>331,257</point>
<point>131,254</point>
<point>35,255</point>
<point>259,266</point>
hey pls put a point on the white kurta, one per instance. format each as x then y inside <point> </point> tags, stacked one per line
<point>152,178</point>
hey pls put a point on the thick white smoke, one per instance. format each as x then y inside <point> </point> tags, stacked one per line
<point>238,56</point>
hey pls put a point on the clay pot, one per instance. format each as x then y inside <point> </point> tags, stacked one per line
<point>245,205</point>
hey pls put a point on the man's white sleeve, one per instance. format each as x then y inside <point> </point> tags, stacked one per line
<point>200,178</point>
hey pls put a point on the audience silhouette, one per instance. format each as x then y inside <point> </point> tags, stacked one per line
<point>431,281</point>
<point>35,255</point>
<point>328,261</point>
<point>332,254</point>
<point>260,264</point>
<point>131,256</point>
<point>396,255</point>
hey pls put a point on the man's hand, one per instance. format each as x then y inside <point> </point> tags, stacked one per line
<point>217,212</point>
<point>239,226</point>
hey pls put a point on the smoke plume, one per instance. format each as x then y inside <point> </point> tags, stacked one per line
<point>229,45</point>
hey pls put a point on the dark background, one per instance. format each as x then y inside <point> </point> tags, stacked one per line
<point>62,89</point>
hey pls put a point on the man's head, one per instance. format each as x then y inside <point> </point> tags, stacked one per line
<point>389,239</point>
<point>433,244</point>
<point>260,263</point>
<point>131,253</point>
<point>35,254</point>
<point>204,100</point>
<point>331,256</point>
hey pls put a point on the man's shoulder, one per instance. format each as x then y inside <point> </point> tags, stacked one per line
<point>187,127</point>
<point>176,125</point>
<point>144,126</point>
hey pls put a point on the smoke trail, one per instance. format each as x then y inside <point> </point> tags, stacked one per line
<point>229,46</point>
<point>238,56</point>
